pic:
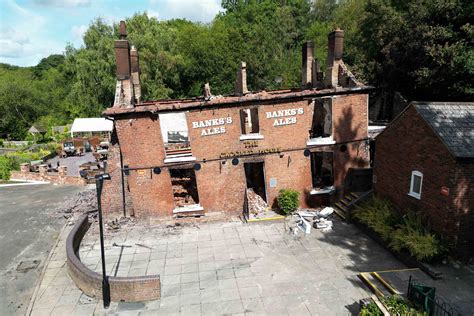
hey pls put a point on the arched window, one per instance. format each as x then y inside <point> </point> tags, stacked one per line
<point>416,184</point>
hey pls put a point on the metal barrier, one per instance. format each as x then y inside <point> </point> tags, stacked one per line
<point>425,298</point>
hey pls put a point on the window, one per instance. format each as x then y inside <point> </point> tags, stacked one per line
<point>415,184</point>
<point>249,121</point>
<point>321,126</point>
<point>183,182</point>
<point>322,171</point>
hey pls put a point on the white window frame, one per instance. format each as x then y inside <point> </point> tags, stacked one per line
<point>412,182</point>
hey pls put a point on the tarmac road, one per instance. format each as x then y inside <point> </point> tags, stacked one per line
<point>28,230</point>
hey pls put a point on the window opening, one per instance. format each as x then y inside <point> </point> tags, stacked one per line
<point>249,121</point>
<point>183,182</point>
<point>174,131</point>
<point>322,119</point>
<point>322,169</point>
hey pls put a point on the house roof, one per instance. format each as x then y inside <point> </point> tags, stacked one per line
<point>453,122</point>
<point>36,129</point>
<point>93,124</point>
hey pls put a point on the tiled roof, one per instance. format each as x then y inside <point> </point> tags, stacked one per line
<point>453,122</point>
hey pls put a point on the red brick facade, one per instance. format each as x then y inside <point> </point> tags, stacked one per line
<point>218,146</point>
<point>410,144</point>
<point>221,184</point>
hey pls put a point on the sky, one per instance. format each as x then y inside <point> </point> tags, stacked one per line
<point>33,29</point>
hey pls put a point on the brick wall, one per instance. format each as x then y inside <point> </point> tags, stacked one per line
<point>410,144</point>
<point>48,177</point>
<point>127,289</point>
<point>463,194</point>
<point>221,185</point>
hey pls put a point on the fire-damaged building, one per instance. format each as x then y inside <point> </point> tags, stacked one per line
<point>202,155</point>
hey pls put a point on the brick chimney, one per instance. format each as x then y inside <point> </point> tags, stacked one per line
<point>122,54</point>
<point>241,81</point>
<point>135,72</point>
<point>335,48</point>
<point>308,57</point>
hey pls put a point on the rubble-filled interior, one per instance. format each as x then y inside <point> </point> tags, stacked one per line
<point>184,186</point>
<point>249,121</point>
<point>322,121</point>
<point>322,169</point>
<point>255,177</point>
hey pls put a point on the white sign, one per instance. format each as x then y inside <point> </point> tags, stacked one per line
<point>284,117</point>
<point>213,126</point>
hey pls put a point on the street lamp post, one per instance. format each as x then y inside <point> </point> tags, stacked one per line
<point>99,180</point>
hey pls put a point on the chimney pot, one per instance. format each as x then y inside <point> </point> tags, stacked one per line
<point>122,30</point>
<point>207,91</point>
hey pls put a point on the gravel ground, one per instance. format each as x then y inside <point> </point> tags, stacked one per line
<point>72,163</point>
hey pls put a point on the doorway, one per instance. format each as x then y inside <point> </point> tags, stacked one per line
<point>184,186</point>
<point>255,176</point>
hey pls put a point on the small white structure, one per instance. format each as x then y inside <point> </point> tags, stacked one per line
<point>92,126</point>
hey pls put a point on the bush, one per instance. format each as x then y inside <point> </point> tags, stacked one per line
<point>370,310</point>
<point>378,214</point>
<point>6,165</point>
<point>397,305</point>
<point>288,200</point>
<point>412,235</point>
<point>401,233</point>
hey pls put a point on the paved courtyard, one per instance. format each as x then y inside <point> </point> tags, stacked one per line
<point>225,268</point>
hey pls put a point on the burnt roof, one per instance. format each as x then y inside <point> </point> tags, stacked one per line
<point>453,122</point>
<point>220,101</point>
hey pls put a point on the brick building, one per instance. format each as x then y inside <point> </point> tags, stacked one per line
<point>424,161</point>
<point>202,154</point>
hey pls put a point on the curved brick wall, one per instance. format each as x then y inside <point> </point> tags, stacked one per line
<point>128,289</point>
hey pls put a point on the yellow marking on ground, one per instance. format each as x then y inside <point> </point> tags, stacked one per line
<point>370,284</point>
<point>265,219</point>
<point>385,283</point>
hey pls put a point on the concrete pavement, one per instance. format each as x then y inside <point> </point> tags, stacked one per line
<point>28,230</point>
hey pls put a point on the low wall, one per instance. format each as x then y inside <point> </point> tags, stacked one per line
<point>48,177</point>
<point>128,289</point>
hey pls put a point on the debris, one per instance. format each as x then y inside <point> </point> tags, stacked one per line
<point>324,224</point>
<point>304,225</point>
<point>256,203</point>
<point>325,212</point>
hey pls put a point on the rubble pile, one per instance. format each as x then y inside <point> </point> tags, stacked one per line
<point>183,188</point>
<point>85,202</point>
<point>256,204</point>
<point>304,219</point>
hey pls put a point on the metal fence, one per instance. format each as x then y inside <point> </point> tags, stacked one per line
<point>425,298</point>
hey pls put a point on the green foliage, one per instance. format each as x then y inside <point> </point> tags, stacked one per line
<point>412,235</point>
<point>370,310</point>
<point>6,165</point>
<point>12,161</point>
<point>288,200</point>
<point>377,214</point>
<point>397,305</point>
<point>421,48</point>
<point>402,233</point>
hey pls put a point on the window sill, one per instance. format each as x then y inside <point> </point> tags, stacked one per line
<point>414,195</point>
<point>179,159</point>
<point>325,190</point>
<point>320,141</point>
<point>251,136</point>
<point>188,208</point>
